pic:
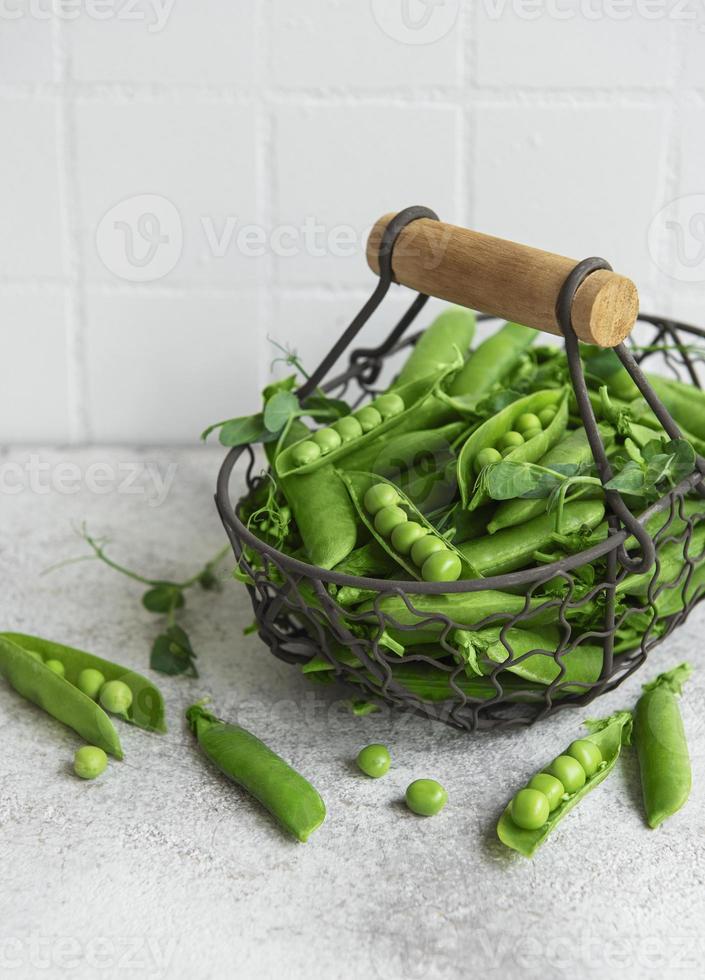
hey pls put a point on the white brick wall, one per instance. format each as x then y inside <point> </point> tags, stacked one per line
<point>265,138</point>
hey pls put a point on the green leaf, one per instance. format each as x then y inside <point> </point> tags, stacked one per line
<point>325,409</point>
<point>629,480</point>
<point>360,707</point>
<point>248,428</point>
<point>510,479</point>
<point>278,409</point>
<point>163,599</point>
<point>173,654</point>
<point>285,384</point>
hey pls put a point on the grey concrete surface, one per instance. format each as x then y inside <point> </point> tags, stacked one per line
<point>162,869</point>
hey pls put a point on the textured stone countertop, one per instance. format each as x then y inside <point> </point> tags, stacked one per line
<point>161,868</point>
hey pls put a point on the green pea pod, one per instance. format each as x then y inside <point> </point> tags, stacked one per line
<point>147,708</point>
<point>433,684</point>
<point>609,735</point>
<point>514,547</point>
<point>58,697</point>
<point>491,431</point>
<point>583,664</point>
<point>422,410</point>
<point>672,569</point>
<point>429,449</point>
<point>323,513</point>
<point>573,448</point>
<point>661,746</point>
<point>463,608</point>
<point>684,402</point>
<point>246,760</point>
<point>359,483</point>
<point>450,334</point>
<point>491,361</point>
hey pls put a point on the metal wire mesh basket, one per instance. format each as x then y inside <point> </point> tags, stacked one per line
<point>301,619</point>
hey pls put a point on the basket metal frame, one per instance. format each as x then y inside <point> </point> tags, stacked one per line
<point>297,634</point>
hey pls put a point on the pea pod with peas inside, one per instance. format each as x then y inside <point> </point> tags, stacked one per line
<point>146,704</point>
<point>27,673</point>
<point>551,794</point>
<point>661,746</point>
<point>573,449</point>
<point>402,530</point>
<point>242,757</point>
<point>498,437</point>
<point>410,407</point>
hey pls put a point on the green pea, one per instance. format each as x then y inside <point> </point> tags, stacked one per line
<point>89,762</point>
<point>56,667</point>
<point>587,754</point>
<point>90,682</point>
<point>485,457</point>
<point>348,428</point>
<point>426,797</point>
<point>546,416</point>
<point>116,697</point>
<point>511,440</point>
<point>368,417</point>
<point>527,421</point>
<point>531,433</point>
<point>327,440</point>
<point>374,760</point>
<point>305,452</point>
<point>388,518</point>
<point>443,566</point>
<point>424,547</point>
<point>379,496</point>
<point>552,788</point>
<point>389,405</point>
<point>529,809</point>
<point>569,771</point>
<point>404,536</point>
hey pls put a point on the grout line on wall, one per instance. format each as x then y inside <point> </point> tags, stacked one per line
<point>68,203</point>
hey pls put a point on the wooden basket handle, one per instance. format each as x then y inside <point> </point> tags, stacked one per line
<point>506,279</point>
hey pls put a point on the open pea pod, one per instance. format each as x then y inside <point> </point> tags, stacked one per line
<point>400,452</point>
<point>490,433</point>
<point>572,448</point>
<point>358,484</point>
<point>57,696</point>
<point>608,735</point>
<point>410,407</point>
<point>147,708</point>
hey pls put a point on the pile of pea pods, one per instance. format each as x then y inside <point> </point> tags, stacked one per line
<point>398,489</point>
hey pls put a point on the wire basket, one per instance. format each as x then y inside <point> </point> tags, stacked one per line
<point>301,620</point>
